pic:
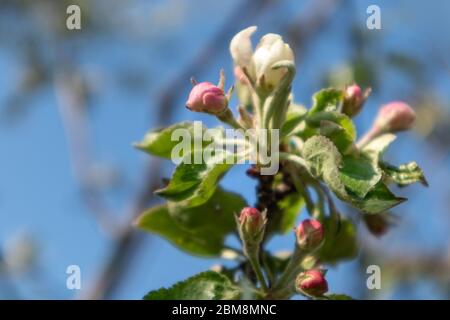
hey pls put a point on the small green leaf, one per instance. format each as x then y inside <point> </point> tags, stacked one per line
<point>324,160</point>
<point>336,126</point>
<point>294,117</point>
<point>215,215</point>
<point>289,208</point>
<point>199,230</point>
<point>160,143</point>
<point>326,100</point>
<point>277,102</point>
<point>351,183</point>
<point>194,184</point>
<point>333,116</point>
<point>379,199</point>
<point>378,146</point>
<point>158,220</point>
<point>340,241</point>
<point>207,285</point>
<point>360,174</point>
<point>404,174</point>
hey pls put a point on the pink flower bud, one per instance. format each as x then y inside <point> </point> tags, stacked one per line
<point>310,234</point>
<point>206,97</point>
<point>354,99</point>
<point>395,116</point>
<point>312,283</point>
<point>251,221</point>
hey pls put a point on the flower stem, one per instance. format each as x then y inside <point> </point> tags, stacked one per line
<point>367,137</point>
<point>253,258</point>
<point>228,118</point>
<point>301,188</point>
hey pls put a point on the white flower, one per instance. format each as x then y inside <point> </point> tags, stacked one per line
<point>270,50</point>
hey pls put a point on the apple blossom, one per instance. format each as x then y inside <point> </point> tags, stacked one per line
<point>258,64</point>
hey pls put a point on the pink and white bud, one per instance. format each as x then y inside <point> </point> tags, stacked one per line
<point>206,97</point>
<point>258,63</point>
<point>310,234</point>
<point>312,283</point>
<point>395,116</point>
<point>251,221</point>
<point>354,99</point>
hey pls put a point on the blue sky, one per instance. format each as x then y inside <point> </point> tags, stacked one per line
<point>39,194</point>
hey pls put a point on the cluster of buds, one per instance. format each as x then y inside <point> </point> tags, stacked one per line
<point>270,65</point>
<point>310,235</point>
<point>354,99</point>
<point>311,283</point>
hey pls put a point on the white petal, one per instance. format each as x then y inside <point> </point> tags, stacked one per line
<point>266,55</point>
<point>268,40</point>
<point>270,50</point>
<point>241,47</point>
<point>288,54</point>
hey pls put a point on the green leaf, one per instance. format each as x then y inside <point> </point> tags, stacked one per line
<point>340,241</point>
<point>378,146</point>
<point>359,175</point>
<point>198,230</point>
<point>215,216</point>
<point>277,103</point>
<point>323,161</point>
<point>194,184</point>
<point>158,220</point>
<point>404,174</point>
<point>326,100</point>
<point>336,126</point>
<point>207,285</point>
<point>379,199</point>
<point>336,117</point>
<point>160,143</point>
<point>294,117</point>
<point>289,208</point>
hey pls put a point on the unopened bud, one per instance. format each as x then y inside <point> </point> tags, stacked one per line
<point>312,283</point>
<point>310,234</point>
<point>206,97</point>
<point>252,222</point>
<point>354,99</point>
<point>395,116</point>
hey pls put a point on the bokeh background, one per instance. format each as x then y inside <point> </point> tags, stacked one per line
<point>73,102</point>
